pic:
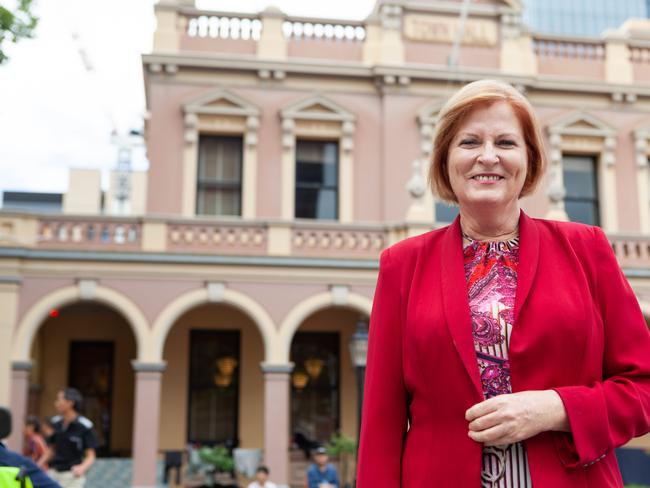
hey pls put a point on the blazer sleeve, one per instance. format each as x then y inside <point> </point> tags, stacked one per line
<point>384,416</point>
<point>609,413</point>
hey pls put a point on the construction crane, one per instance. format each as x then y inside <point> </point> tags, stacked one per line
<point>124,142</point>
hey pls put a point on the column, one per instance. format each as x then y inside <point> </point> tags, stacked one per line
<point>643,186</point>
<point>608,181</point>
<point>618,67</point>
<point>249,170</point>
<point>276,420</point>
<point>190,163</point>
<point>272,43</point>
<point>19,396</point>
<point>9,293</point>
<point>146,422</point>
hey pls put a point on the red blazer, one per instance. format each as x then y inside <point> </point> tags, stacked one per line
<point>578,330</point>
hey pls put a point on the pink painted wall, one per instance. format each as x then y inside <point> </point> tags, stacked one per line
<point>641,71</point>
<point>33,288</point>
<point>151,295</point>
<point>334,49</point>
<point>278,298</point>
<point>165,145</point>
<point>218,45</point>
<point>592,69</point>
<point>437,54</point>
<point>400,145</point>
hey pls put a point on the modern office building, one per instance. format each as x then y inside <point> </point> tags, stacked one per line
<point>285,154</point>
<point>586,18</point>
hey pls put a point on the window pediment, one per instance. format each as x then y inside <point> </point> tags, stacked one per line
<point>317,107</point>
<point>581,124</point>
<point>221,102</point>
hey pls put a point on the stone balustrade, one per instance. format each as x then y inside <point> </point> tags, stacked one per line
<point>88,233</point>
<point>234,237</point>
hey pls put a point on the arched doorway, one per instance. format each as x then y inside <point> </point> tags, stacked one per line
<point>213,387</point>
<point>323,383</point>
<point>88,346</point>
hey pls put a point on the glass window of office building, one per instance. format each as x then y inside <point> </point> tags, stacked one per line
<point>588,18</point>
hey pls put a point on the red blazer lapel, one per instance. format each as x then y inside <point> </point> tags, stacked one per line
<point>528,258</point>
<point>454,299</point>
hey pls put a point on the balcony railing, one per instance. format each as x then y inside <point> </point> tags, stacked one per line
<point>89,233</point>
<point>631,251</point>
<point>224,26</point>
<point>568,48</point>
<point>217,237</point>
<point>298,238</point>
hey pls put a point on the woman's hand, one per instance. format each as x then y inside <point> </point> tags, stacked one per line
<point>506,419</point>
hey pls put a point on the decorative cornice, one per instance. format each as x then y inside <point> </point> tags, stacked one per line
<point>432,73</point>
<point>177,258</point>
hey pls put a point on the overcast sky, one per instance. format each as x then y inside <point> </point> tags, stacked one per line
<point>56,114</point>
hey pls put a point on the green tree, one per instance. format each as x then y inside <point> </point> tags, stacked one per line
<point>15,23</point>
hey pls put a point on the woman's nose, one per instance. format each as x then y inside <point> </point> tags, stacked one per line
<point>488,154</point>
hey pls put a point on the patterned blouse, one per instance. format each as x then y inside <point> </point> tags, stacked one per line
<point>491,274</point>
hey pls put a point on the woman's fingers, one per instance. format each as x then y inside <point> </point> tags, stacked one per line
<point>490,435</point>
<point>486,421</point>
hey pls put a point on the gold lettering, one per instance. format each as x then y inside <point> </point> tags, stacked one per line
<point>436,28</point>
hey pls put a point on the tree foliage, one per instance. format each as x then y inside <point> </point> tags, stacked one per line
<point>16,23</point>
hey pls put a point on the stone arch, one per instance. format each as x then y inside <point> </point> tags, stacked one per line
<point>37,314</point>
<point>211,294</point>
<point>310,305</point>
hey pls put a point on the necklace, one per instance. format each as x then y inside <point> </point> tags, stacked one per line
<point>502,237</point>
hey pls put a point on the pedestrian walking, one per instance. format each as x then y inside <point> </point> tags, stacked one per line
<point>71,448</point>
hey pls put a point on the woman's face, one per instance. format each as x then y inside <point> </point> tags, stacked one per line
<point>487,159</point>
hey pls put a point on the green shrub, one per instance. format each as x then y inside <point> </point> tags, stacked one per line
<point>218,457</point>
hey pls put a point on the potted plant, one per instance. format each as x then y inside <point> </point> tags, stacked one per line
<point>222,463</point>
<point>343,448</point>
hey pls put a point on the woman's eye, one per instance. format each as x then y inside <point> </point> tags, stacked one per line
<point>467,142</point>
<point>507,142</point>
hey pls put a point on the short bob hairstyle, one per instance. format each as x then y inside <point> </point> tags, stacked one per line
<point>472,96</point>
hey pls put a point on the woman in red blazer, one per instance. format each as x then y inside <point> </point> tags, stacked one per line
<point>566,376</point>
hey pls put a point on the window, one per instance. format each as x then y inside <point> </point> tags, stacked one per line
<point>315,385</point>
<point>317,180</point>
<point>219,176</point>
<point>446,213</point>
<point>213,386</point>
<point>581,184</point>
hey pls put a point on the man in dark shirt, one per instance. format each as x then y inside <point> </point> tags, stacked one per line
<point>71,449</point>
<point>38,478</point>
